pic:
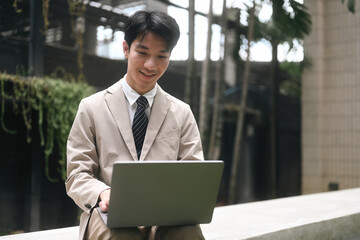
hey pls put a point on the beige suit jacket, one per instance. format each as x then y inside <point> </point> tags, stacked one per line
<point>101,134</point>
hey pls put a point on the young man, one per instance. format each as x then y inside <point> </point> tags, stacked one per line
<point>106,129</point>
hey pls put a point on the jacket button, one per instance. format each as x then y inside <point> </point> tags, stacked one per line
<point>88,206</point>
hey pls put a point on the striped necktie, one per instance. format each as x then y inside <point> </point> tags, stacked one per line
<point>140,123</point>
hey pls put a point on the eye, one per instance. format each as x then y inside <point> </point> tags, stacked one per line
<point>164,56</point>
<point>141,53</point>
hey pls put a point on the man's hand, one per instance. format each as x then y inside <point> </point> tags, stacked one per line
<point>104,200</point>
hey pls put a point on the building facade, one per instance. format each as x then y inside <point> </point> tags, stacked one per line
<point>331,99</point>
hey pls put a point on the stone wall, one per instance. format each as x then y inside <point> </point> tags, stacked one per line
<point>331,99</point>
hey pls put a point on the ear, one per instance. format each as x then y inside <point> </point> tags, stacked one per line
<point>126,49</point>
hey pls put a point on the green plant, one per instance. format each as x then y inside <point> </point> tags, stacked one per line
<point>291,86</point>
<point>350,5</point>
<point>55,101</point>
<point>15,5</point>
<point>45,13</point>
<point>77,11</point>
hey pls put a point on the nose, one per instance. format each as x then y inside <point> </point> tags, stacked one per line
<point>150,63</point>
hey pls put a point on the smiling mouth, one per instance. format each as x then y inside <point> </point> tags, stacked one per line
<point>148,74</point>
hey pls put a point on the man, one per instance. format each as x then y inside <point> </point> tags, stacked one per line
<point>105,129</point>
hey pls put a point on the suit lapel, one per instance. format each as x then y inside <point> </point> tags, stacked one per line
<point>117,105</point>
<point>158,112</point>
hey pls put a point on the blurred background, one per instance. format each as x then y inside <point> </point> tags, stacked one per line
<point>274,86</point>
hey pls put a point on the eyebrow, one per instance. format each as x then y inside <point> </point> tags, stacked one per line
<point>139,45</point>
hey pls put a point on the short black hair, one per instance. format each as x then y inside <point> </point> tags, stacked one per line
<point>160,23</point>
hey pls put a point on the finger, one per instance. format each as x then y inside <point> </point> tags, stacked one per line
<point>103,206</point>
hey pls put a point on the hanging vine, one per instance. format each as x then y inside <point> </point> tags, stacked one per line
<point>77,14</point>
<point>55,101</point>
<point>4,97</point>
<point>15,5</point>
<point>45,13</point>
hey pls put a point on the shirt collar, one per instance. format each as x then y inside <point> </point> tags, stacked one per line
<point>132,95</point>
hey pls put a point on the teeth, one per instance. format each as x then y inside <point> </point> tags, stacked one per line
<point>148,75</point>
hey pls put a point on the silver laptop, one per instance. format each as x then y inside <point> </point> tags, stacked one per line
<point>161,193</point>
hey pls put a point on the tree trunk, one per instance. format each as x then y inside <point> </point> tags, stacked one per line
<point>36,43</point>
<point>241,116</point>
<point>217,118</point>
<point>190,73</point>
<point>204,82</point>
<point>273,99</point>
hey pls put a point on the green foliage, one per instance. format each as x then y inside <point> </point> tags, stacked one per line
<point>290,24</point>
<point>292,85</point>
<point>55,101</point>
<point>350,5</point>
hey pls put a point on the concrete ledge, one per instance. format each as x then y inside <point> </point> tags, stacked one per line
<point>330,215</point>
<point>70,233</point>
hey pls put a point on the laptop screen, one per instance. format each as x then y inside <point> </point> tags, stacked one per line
<point>151,193</point>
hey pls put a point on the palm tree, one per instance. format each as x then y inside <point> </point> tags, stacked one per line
<point>190,71</point>
<point>241,114</point>
<point>204,80</point>
<point>284,26</point>
<point>217,113</point>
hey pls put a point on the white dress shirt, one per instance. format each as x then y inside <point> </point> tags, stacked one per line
<point>131,97</point>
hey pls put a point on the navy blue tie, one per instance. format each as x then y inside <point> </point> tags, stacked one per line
<point>140,123</point>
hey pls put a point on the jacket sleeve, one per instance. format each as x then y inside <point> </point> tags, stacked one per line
<point>190,140</point>
<point>82,183</point>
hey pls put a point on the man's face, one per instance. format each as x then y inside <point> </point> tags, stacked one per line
<point>148,59</point>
